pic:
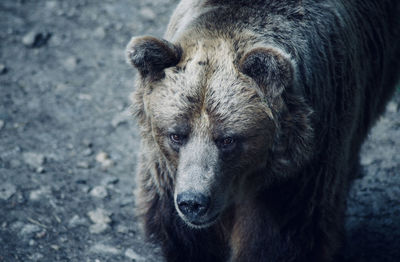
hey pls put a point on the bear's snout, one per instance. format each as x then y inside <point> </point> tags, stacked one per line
<point>193,205</point>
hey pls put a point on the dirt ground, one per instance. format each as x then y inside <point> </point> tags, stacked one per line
<point>68,145</point>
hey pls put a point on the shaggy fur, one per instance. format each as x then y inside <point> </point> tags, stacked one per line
<point>263,107</point>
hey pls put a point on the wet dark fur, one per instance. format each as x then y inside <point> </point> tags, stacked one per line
<point>347,64</point>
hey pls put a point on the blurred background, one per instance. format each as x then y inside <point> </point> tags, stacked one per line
<point>68,144</point>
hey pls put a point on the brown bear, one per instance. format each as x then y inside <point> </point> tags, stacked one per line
<point>252,114</point>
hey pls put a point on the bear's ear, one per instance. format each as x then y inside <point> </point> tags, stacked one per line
<point>270,67</point>
<point>151,55</point>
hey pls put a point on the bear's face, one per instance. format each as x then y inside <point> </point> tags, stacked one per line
<point>211,119</point>
<point>213,132</point>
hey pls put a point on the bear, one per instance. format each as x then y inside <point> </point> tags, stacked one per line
<point>251,116</point>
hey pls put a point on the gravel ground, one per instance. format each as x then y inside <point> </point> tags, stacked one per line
<point>68,145</point>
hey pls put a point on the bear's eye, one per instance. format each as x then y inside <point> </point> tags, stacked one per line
<point>226,142</point>
<point>176,138</point>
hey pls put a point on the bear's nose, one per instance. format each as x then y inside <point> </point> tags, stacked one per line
<point>193,205</point>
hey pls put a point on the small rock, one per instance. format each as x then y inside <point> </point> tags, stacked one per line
<point>60,12</point>
<point>100,33</point>
<point>55,247</point>
<point>34,160</point>
<point>3,69</point>
<point>32,242</point>
<point>87,143</point>
<point>61,87</point>
<point>366,159</point>
<point>100,216</point>
<point>71,63</point>
<point>101,219</point>
<point>1,124</point>
<point>87,152</point>
<point>99,191</point>
<point>39,193</point>
<point>392,107</point>
<point>56,41</point>
<point>36,257</point>
<point>35,39</point>
<point>40,169</point>
<point>83,96</point>
<point>40,234</point>
<point>76,221</point>
<point>29,229</point>
<point>85,188</point>
<point>83,164</point>
<point>104,159</point>
<point>101,248</point>
<point>98,228</point>
<point>148,13</point>
<point>129,253</point>
<point>7,190</point>
<point>122,229</point>
<point>109,180</point>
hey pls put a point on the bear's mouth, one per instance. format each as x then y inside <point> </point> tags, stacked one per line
<point>202,224</point>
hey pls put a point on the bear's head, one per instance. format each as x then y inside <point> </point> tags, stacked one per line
<point>226,121</point>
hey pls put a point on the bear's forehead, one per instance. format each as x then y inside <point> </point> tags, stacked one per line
<point>208,97</point>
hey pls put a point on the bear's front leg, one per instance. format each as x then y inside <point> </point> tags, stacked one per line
<point>256,237</point>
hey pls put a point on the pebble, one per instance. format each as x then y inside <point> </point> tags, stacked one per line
<point>70,63</point>
<point>1,124</point>
<point>109,180</point>
<point>101,219</point>
<point>101,248</point>
<point>100,33</point>
<point>104,159</point>
<point>148,13</point>
<point>100,216</point>
<point>7,190</point>
<point>392,107</point>
<point>40,169</point>
<point>87,143</point>
<point>29,229</point>
<point>41,234</point>
<point>39,193</point>
<point>122,229</point>
<point>36,257</point>
<point>61,87</point>
<point>129,253</point>
<point>55,247</point>
<point>3,69</point>
<point>99,192</point>
<point>366,159</point>
<point>87,152</point>
<point>34,160</point>
<point>83,164</point>
<point>83,96</point>
<point>35,39</point>
<point>98,228</point>
<point>76,221</point>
